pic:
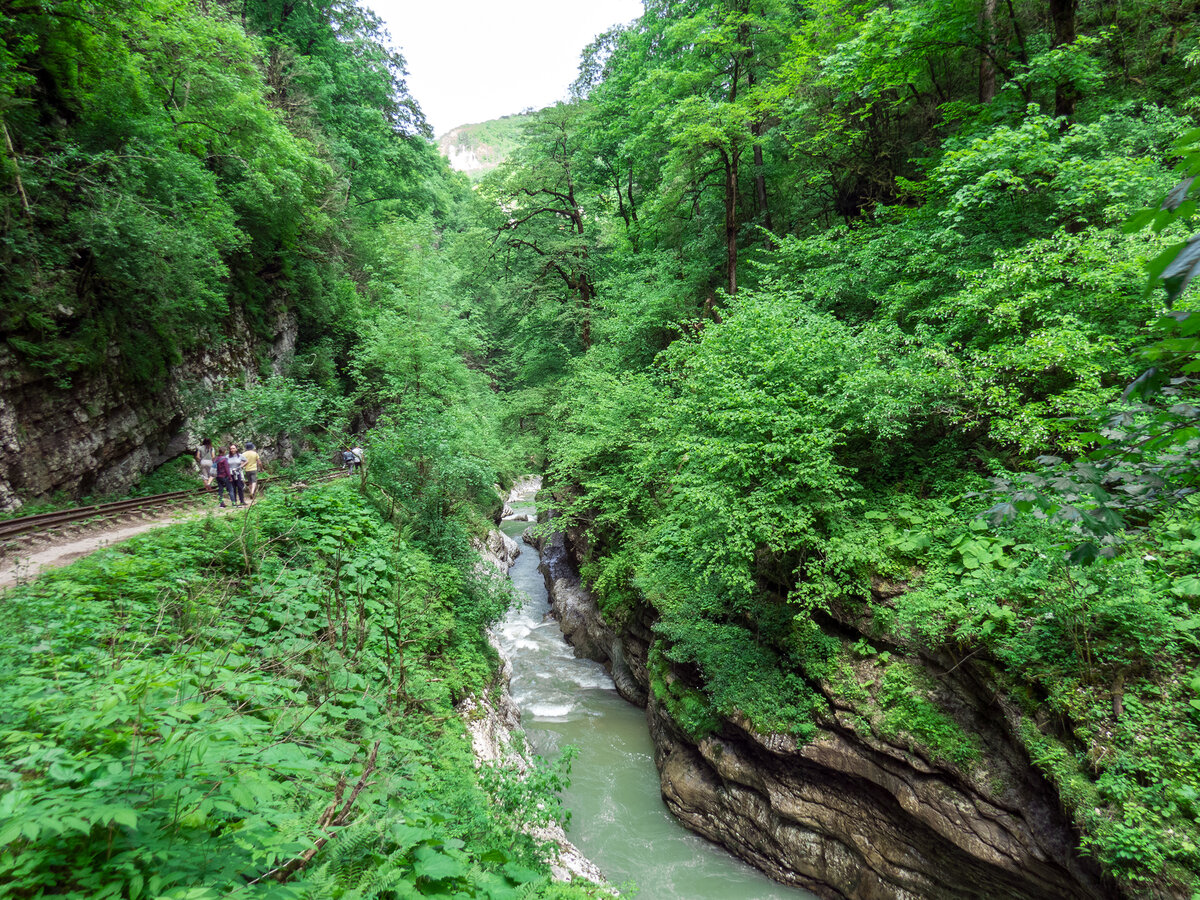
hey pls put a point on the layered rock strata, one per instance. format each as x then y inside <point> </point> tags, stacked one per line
<point>850,815</point>
<point>103,430</point>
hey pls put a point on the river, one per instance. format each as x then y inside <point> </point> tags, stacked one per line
<point>618,818</point>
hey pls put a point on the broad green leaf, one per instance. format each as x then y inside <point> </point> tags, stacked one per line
<point>435,865</point>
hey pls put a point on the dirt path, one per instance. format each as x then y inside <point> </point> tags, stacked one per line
<point>24,566</point>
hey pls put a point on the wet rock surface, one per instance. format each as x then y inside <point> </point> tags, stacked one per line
<point>584,627</point>
<point>848,814</point>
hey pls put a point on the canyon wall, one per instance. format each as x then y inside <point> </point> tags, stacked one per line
<point>103,431</point>
<point>849,814</point>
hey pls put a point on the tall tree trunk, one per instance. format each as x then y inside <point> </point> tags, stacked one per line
<point>621,210</point>
<point>731,224</point>
<point>760,185</point>
<point>760,179</point>
<point>585,302</point>
<point>632,205</point>
<point>583,282</point>
<point>987,39</point>
<point>1022,50</point>
<point>730,157</point>
<point>1063,12</point>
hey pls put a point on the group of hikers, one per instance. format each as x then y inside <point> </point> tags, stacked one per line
<point>235,471</point>
<point>352,459</point>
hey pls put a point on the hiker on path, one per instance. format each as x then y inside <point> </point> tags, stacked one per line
<point>237,482</point>
<point>204,456</point>
<point>221,467</point>
<point>251,468</point>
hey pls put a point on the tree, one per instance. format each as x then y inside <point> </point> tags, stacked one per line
<point>545,234</point>
<point>1066,93</point>
<point>712,54</point>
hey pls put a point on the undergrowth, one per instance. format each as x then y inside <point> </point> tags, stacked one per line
<point>254,706</point>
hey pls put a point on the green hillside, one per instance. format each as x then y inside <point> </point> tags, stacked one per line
<point>477,149</point>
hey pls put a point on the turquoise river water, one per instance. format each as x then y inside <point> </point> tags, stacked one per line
<point>619,820</point>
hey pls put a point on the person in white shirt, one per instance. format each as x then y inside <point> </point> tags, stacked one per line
<point>237,482</point>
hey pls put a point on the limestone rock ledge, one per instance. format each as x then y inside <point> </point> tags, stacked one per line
<point>849,815</point>
<point>497,551</point>
<point>584,627</point>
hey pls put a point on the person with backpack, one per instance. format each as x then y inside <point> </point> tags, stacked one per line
<point>221,467</point>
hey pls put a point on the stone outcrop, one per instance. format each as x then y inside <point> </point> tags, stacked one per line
<point>104,430</point>
<point>584,627</point>
<point>497,551</point>
<point>494,723</point>
<point>850,815</point>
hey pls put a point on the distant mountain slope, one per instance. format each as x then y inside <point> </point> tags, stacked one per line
<point>477,149</point>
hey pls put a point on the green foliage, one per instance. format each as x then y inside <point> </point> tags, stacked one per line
<point>740,677</point>
<point>430,472</point>
<point>143,204</point>
<point>182,474</point>
<point>180,710</point>
<point>1141,457</point>
<point>924,203</point>
<point>274,406</point>
<point>907,709</point>
<point>1106,646</point>
<point>184,175</point>
<point>529,795</point>
<point>774,295</point>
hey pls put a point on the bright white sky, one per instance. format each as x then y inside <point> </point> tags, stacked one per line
<point>474,60</point>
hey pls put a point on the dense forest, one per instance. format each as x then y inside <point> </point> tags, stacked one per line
<point>847,333</point>
<point>195,713</point>
<point>829,314</point>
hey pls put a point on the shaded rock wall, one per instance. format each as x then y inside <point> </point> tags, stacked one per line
<point>624,655</point>
<point>849,814</point>
<point>104,431</point>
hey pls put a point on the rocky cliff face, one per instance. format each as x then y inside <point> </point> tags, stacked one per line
<point>848,814</point>
<point>104,431</point>
<point>477,149</point>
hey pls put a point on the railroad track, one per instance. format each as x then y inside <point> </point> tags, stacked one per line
<point>44,523</point>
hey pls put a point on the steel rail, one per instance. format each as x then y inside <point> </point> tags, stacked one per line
<point>50,520</point>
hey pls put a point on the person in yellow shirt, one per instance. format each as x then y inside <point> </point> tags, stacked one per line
<point>251,469</point>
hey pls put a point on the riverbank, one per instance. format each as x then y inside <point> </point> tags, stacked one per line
<point>618,816</point>
<point>845,814</point>
<point>493,719</point>
<point>258,706</point>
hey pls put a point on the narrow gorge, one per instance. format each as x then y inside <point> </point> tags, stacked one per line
<point>617,818</point>
<point>858,342</point>
<point>848,815</point>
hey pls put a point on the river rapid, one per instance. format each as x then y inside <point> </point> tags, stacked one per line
<point>618,819</point>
